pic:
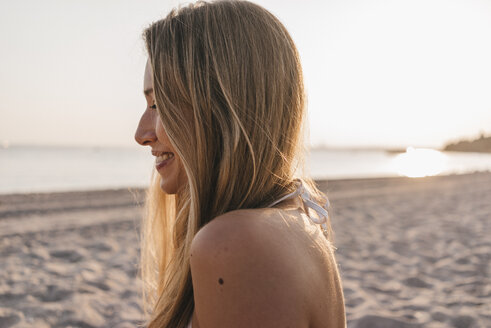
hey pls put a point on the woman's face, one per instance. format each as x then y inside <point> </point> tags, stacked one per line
<point>150,132</point>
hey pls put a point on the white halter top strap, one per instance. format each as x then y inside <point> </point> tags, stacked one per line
<point>321,211</point>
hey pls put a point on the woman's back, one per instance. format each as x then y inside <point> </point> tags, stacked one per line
<point>279,254</point>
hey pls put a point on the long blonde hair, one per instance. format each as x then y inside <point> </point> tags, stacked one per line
<point>229,90</point>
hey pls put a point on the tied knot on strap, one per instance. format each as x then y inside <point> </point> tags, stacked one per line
<point>321,211</point>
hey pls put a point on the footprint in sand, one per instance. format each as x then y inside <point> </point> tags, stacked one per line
<point>416,282</point>
<point>69,255</point>
<point>54,293</point>
<point>371,321</point>
<point>463,321</point>
<point>11,298</point>
<point>9,317</point>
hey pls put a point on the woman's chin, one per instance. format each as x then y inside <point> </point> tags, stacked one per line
<point>168,186</point>
<point>172,179</point>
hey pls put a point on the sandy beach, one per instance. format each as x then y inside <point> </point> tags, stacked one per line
<point>411,253</point>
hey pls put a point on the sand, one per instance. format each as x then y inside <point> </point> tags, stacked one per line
<point>411,253</point>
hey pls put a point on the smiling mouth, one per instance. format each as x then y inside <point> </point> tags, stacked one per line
<point>163,159</point>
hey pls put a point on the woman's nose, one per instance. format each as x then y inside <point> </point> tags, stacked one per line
<point>145,132</point>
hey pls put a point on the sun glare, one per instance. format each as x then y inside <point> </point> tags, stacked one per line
<point>419,162</point>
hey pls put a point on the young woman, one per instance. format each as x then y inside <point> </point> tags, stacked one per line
<point>231,237</point>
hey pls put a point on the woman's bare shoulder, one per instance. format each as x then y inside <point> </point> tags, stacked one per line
<point>263,234</point>
<point>238,223</point>
<point>242,277</point>
<point>239,235</point>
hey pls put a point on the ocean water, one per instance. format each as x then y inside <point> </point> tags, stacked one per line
<point>42,169</point>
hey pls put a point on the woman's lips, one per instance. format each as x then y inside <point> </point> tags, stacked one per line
<point>163,160</point>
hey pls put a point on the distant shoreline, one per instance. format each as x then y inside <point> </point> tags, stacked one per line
<point>480,145</point>
<point>139,191</point>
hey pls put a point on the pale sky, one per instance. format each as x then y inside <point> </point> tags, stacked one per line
<point>378,73</point>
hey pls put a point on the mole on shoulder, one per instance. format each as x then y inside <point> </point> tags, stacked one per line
<point>220,281</point>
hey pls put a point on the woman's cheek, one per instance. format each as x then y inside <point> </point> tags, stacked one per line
<point>161,134</point>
